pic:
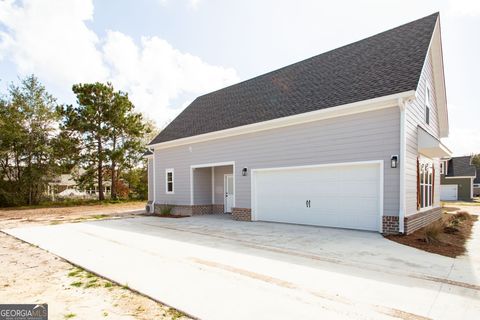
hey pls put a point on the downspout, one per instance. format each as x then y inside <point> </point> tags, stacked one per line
<point>401,213</point>
<point>153,182</point>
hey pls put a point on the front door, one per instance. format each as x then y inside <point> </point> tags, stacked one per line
<point>229,192</point>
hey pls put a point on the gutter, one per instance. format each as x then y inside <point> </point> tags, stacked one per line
<point>153,182</point>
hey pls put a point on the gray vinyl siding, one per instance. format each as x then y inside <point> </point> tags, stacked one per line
<point>202,185</point>
<point>150,178</point>
<point>414,117</point>
<point>373,135</point>
<point>219,174</point>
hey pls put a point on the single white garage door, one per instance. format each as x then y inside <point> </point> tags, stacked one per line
<point>345,196</point>
<point>449,192</point>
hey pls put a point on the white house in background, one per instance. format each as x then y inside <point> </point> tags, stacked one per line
<point>349,138</point>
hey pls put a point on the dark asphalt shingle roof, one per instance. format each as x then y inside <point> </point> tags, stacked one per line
<point>383,64</point>
<point>461,167</point>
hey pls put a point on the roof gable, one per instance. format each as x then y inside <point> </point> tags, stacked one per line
<point>461,167</point>
<point>384,64</point>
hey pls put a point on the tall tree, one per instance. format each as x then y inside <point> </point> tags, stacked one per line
<point>128,130</point>
<point>27,132</point>
<point>88,124</point>
<point>107,129</point>
<point>476,160</point>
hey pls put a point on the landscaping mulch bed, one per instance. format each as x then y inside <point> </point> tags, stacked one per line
<point>449,242</point>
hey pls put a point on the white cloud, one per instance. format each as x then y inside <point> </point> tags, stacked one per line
<point>156,73</point>
<point>51,39</point>
<point>465,7</point>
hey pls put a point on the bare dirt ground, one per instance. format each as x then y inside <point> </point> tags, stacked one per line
<point>31,275</point>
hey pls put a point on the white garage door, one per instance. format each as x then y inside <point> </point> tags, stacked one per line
<point>449,192</point>
<point>345,196</point>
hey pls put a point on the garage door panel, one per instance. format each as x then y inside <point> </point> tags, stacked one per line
<point>449,192</point>
<point>340,196</point>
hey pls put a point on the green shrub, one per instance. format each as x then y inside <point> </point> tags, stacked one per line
<point>166,209</point>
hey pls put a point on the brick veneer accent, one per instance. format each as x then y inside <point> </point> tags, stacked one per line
<point>217,208</point>
<point>421,219</point>
<point>242,214</point>
<point>189,210</point>
<point>183,210</point>
<point>201,209</point>
<point>390,224</point>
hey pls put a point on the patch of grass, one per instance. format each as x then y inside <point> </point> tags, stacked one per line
<point>99,216</point>
<point>105,313</point>
<point>73,203</point>
<point>75,273</point>
<point>126,287</point>
<point>69,316</point>
<point>76,284</point>
<point>140,309</point>
<point>433,230</point>
<point>108,284</point>
<point>474,202</point>
<point>175,314</point>
<point>92,283</point>
<point>89,275</point>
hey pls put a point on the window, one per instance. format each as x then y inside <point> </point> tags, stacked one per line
<point>427,104</point>
<point>169,180</point>
<point>443,167</point>
<point>476,185</point>
<point>426,185</point>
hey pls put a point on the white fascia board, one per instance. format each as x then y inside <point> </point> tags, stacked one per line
<point>333,112</point>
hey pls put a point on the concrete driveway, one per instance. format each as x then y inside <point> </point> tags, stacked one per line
<point>214,268</point>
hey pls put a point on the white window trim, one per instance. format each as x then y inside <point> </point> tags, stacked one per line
<point>425,185</point>
<point>167,171</point>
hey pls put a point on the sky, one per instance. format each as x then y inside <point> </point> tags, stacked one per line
<point>164,53</point>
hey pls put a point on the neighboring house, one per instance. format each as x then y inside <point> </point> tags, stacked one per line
<point>457,178</point>
<point>349,138</point>
<point>476,185</point>
<point>67,182</point>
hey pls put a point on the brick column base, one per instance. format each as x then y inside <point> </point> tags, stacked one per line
<point>242,214</point>
<point>390,224</point>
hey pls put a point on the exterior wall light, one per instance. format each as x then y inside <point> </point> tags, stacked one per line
<point>394,161</point>
<point>244,172</point>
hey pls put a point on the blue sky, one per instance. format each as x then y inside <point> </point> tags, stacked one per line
<point>166,52</point>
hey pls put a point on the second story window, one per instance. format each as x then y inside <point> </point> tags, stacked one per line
<point>427,103</point>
